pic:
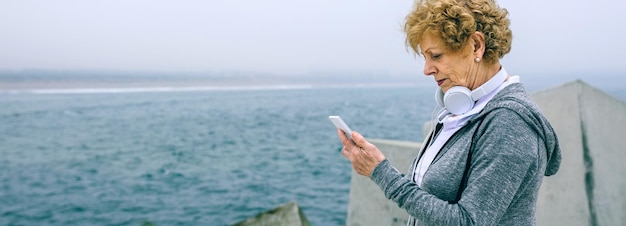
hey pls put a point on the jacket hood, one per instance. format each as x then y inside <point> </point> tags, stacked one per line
<point>517,99</point>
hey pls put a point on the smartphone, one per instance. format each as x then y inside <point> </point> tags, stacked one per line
<point>340,124</point>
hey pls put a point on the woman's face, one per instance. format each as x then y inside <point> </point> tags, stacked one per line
<point>449,68</point>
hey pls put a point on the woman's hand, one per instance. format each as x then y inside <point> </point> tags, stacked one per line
<point>363,155</point>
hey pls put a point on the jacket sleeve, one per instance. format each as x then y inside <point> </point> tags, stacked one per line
<point>502,155</point>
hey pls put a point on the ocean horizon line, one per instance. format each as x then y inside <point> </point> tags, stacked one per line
<point>141,89</point>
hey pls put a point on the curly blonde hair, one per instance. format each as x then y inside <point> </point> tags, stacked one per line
<point>456,20</point>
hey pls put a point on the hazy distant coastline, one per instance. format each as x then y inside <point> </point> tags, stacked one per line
<point>44,79</point>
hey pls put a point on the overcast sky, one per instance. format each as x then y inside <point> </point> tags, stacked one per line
<point>289,36</point>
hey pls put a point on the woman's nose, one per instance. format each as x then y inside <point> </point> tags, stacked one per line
<point>429,69</point>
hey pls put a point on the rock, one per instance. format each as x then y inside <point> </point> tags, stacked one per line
<point>288,214</point>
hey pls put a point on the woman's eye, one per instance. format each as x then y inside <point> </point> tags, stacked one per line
<point>435,56</point>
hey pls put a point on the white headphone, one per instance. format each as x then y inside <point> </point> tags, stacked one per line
<point>459,100</point>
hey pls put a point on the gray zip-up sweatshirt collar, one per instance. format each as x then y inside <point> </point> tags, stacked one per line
<point>512,146</point>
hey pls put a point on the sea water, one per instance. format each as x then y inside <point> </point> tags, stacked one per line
<point>189,157</point>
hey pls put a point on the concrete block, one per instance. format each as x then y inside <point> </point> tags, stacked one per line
<point>367,203</point>
<point>590,187</point>
<point>288,214</point>
<point>562,198</point>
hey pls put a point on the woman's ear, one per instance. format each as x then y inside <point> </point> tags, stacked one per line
<point>478,40</point>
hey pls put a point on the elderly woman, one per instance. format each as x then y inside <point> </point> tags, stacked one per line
<point>484,161</point>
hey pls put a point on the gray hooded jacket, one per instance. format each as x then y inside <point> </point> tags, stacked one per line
<point>510,146</point>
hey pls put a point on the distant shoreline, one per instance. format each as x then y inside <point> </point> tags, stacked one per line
<point>46,80</point>
<point>142,87</point>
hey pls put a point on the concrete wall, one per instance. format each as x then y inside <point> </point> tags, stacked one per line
<point>589,189</point>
